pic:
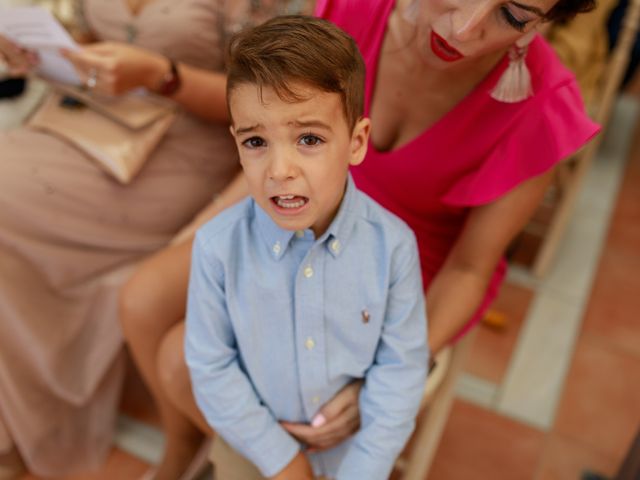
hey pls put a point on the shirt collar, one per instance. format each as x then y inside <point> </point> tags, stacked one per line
<point>338,233</point>
<point>335,238</point>
<point>276,238</point>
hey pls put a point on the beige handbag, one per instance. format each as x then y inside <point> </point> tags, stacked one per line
<point>119,133</point>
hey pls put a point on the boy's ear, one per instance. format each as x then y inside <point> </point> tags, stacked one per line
<point>232,130</point>
<point>359,141</point>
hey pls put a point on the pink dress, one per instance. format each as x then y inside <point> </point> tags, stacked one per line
<point>473,155</point>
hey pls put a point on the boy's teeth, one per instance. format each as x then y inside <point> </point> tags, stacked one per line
<point>287,201</point>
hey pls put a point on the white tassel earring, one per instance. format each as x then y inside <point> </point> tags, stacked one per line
<point>515,83</point>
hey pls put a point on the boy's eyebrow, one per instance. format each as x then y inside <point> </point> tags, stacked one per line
<point>250,128</point>
<point>311,123</point>
<point>529,8</point>
<point>295,123</point>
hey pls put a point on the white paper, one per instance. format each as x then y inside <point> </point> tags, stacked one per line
<point>37,29</point>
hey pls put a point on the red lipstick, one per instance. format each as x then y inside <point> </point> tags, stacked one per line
<point>443,50</point>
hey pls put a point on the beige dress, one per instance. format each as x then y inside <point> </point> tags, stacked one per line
<point>65,225</point>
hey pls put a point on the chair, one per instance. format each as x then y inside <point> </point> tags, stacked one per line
<point>434,410</point>
<point>571,175</point>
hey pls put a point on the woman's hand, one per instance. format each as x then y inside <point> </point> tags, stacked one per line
<point>337,420</point>
<point>20,61</point>
<point>114,68</point>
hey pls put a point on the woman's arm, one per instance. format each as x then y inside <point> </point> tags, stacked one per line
<point>202,93</point>
<point>458,289</point>
<point>120,67</point>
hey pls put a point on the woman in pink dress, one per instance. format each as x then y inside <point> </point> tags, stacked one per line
<point>459,149</point>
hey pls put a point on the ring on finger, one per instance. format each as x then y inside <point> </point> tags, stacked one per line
<point>92,78</point>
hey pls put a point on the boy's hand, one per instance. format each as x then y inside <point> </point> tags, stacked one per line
<point>298,469</point>
<point>337,420</point>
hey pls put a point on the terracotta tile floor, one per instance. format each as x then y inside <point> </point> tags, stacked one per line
<point>566,459</point>
<point>479,444</point>
<point>492,349</point>
<point>601,402</point>
<point>613,308</point>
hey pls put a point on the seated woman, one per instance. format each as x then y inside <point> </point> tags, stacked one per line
<point>450,152</point>
<point>65,224</point>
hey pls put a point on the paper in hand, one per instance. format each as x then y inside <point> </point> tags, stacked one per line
<point>37,29</point>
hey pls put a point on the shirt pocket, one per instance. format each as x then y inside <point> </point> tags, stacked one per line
<point>355,334</point>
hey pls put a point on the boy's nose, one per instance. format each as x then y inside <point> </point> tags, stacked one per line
<point>468,20</point>
<point>281,167</point>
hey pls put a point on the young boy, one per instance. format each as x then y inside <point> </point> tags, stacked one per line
<point>309,284</point>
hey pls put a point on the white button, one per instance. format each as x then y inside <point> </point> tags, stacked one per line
<point>309,343</point>
<point>308,271</point>
<point>299,233</point>
<point>277,248</point>
<point>335,246</point>
<point>315,400</point>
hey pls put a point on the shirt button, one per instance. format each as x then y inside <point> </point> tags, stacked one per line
<point>335,246</point>
<point>277,248</point>
<point>309,343</point>
<point>299,233</point>
<point>308,271</point>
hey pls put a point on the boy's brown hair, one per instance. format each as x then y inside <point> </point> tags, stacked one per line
<point>298,48</point>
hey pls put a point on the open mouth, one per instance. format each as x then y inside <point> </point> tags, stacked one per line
<point>443,50</point>
<point>289,202</point>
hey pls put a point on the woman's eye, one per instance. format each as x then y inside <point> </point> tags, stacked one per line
<point>512,20</point>
<point>254,142</point>
<point>310,140</point>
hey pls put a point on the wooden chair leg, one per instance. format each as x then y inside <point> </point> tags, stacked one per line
<point>432,421</point>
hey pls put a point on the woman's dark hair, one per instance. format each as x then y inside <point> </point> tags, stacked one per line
<point>567,9</point>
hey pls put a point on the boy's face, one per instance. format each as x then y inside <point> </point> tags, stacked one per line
<point>296,155</point>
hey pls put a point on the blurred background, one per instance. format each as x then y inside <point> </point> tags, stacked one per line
<point>551,386</point>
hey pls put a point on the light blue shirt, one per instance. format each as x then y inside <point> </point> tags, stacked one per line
<point>278,322</point>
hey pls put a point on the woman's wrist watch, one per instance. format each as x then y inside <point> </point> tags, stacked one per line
<point>171,81</point>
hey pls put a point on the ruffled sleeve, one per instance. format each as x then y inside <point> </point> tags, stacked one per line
<point>549,128</point>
